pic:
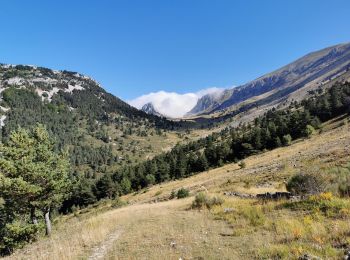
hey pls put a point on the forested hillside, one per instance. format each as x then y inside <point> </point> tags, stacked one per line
<point>81,115</point>
<point>100,132</point>
<point>274,129</point>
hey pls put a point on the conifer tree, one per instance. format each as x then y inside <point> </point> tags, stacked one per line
<point>33,177</point>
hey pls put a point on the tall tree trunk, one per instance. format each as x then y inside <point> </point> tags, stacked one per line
<point>48,222</point>
<point>33,217</point>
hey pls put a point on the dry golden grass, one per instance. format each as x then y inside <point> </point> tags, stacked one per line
<point>170,230</point>
<point>290,233</point>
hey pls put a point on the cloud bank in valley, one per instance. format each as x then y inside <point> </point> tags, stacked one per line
<point>172,104</point>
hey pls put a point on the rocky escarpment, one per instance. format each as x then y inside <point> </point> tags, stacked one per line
<point>316,68</point>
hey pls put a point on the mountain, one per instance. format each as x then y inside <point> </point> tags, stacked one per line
<point>310,72</point>
<point>210,101</point>
<point>75,90</point>
<point>101,131</point>
<point>150,109</point>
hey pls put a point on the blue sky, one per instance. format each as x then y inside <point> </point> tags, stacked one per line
<point>136,47</point>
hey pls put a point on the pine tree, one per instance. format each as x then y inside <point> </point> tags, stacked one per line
<point>32,175</point>
<point>202,162</point>
<point>105,188</point>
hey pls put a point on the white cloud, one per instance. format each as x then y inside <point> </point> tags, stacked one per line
<point>172,104</point>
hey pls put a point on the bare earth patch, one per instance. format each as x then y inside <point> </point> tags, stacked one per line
<point>101,250</point>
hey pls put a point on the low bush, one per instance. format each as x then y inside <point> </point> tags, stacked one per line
<point>306,184</point>
<point>287,140</point>
<point>17,234</point>
<point>182,193</point>
<point>255,215</point>
<point>242,165</point>
<point>172,195</point>
<point>340,180</point>
<point>118,203</point>
<point>204,201</point>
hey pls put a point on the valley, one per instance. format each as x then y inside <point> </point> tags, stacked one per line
<point>121,183</point>
<point>151,225</point>
<point>180,130</point>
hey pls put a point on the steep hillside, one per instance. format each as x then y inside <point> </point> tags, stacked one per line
<point>102,132</point>
<point>311,71</point>
<point>210,101</point>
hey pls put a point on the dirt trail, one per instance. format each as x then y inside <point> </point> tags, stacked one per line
<point>100,251</point>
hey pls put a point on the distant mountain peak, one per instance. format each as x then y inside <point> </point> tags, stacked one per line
<point>150,109</point>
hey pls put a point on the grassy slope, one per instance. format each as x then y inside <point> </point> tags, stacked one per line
<point>150,230</point>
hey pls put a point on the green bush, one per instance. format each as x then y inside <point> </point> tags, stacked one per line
<point>306,184</point>
<point>16,235</point>
<point>182,193</point>
<point>309,130</point>
<point>286,140</point>
<point>172,194</point>
<point>202,200</point>
<point>118,203</point>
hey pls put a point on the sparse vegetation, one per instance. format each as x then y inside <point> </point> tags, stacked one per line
<point>325,203</point>
<point>203,200</point>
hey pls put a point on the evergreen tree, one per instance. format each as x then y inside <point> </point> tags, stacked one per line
<point>105,188</point>
<point>33,177</point>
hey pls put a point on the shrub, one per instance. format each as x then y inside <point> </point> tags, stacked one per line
<point>306,184</point>
<point>309,130</point>
<point>344,189</point>
<point>286,140</point>
<point>17,234</point>
<point>242,165</point>
<point>199,200</point>
<point>325,202</point>
<point>202,200</point>
<point>255,216</point>
<point>214,201</point>
<point>182,193</point>
<point>172,194</point>
<point>340,180</point>
<point>118,203</point>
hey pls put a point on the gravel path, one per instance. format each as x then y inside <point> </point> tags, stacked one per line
<point>100,251</point>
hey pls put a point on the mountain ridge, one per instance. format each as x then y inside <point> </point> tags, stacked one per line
<point>322,66</point>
